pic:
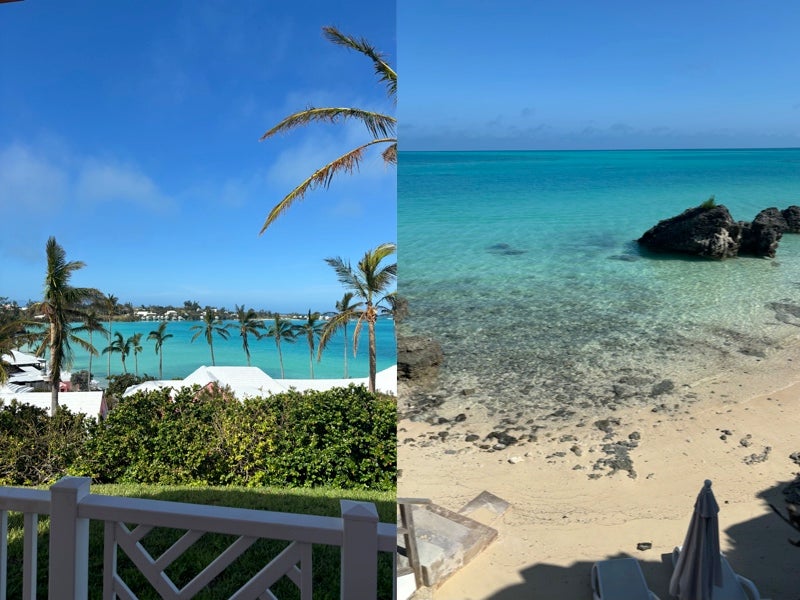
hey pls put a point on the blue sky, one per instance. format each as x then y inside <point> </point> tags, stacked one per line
<point>572,74</point>
<point>129,131</point>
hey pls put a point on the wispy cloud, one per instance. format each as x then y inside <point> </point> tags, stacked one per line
<point>30,182</point>
<point>103,182</point>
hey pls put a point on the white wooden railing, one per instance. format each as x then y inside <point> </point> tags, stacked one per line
<point>71,506</point>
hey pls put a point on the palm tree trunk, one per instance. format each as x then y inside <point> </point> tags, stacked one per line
<point>280,356</point>
<point>371,317</point>
<point>55,370</point>
<point>311,359</point>
<point>109,343</point>
<point>89,378</point>
<point>345,350</point>
<point>161,364</point>
<point>211,345</point>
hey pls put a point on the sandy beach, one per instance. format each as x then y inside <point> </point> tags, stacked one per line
<point>569,508</point>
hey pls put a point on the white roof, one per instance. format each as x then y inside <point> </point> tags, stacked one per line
<point>243,381</point>
<point>20,358</point>
<point>385,381</point>
<point>149,386</point>
<point>27,374</point>
<point>253,382</point>
<point>88,403</point>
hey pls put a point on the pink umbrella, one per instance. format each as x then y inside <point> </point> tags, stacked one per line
<point>699,567</point>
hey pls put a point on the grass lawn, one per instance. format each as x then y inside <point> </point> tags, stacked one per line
<point>316,501</point>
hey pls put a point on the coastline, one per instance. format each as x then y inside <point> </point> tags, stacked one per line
<point>568,510</point>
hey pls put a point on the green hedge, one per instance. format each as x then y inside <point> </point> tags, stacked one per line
<point>344,437</point>
<point>36,449</point>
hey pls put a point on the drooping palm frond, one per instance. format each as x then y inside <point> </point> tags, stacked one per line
<point>390,154</point>
<point>348,162</point>
<point>385,73</point>
<point>379,125</point>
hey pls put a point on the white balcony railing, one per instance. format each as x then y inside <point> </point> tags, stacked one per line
<point>71,507</point>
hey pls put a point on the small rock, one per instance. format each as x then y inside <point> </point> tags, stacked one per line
<point>635,436</point>
<point>745,441</point>
<point>460,417</point>
<point>576,450</point>
<point>515,459</point>
<point>644,546</point>
<point>472,438</point>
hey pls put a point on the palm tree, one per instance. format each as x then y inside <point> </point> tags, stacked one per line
<point>380,127</point>
<point>111,302</point>
<point>11,334</point>
<point>136,347</point>
<point>159,337</point>
<point>281,329</point>
<point>248,324</point>
<point>312,329</point>
<point>91,324</point>
<point>61,306</point>
<point>346,312</point>
<point>369,280</point>
<point>211,325</point>
<point>121,345</point>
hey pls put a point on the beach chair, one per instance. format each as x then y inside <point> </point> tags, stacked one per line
<point>620,579</point>
<point>734,586</point>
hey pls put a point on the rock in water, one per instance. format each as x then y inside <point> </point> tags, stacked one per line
<point>418,358</point>
<point>700,231</point>
<point>760,238</point>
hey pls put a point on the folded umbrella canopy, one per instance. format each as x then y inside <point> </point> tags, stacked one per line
<point>699,566</point>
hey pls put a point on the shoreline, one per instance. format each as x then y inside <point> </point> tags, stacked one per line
<point>575,500</point>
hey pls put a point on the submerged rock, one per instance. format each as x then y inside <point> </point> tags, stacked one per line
<point>418,358</point>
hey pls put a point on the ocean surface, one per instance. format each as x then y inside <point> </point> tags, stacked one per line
<point>524,266</point>
<point>182,356</point>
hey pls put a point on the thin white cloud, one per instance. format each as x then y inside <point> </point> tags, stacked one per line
<point>104,182</point>
<point>29,182</point>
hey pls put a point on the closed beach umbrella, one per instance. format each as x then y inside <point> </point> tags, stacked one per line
<point>699,567</point>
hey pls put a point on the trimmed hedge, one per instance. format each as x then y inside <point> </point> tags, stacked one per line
<point>343,437</point>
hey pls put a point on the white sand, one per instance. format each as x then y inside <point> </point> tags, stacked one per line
<point>561,521</point>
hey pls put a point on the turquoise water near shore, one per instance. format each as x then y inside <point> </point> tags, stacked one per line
<point>182,356</point>
<point>524,266</point>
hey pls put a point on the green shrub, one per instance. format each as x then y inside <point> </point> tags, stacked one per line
<point>344,437</point>
<point>710,203</point>
<point>36,449</point>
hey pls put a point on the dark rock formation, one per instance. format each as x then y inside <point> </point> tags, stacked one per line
<point>700,231</point>
<point>761,237</point>
<point>418,358</point>
<point>792,217</point>
<point>711,232</point>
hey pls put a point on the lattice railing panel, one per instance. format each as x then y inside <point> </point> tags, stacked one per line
<point>294,562</point>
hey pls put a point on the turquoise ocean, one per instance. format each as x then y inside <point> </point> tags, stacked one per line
<point>182,356</point>
<point>525,268</point>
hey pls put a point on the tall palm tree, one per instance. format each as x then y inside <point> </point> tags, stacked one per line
<point>159,337</point>
<point>381,127</point>
<point>211,325</point>
<point>136,347</point>
<point>61,305</point>
<point>369,281</point>
<point>281,330</point>
<point>345,312</point>
<point>121,345</point>
<point>12,333</point>
<point>312,329</point>
<point>92,324</point>
<point>248,324</point>
<point>111,302</point>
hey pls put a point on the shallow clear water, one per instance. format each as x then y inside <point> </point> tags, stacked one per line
<point>182,356</point>
<point>524,266</point>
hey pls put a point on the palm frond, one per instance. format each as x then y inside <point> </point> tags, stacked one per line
<point>348,162</point>
<point>390,154</point>
<point>385,73</point>
<point>379,125</point>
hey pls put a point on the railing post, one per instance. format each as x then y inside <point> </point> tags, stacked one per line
<point>359,551</point>
<point>69,541</point>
